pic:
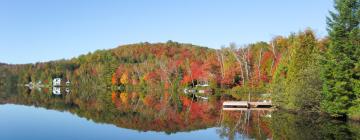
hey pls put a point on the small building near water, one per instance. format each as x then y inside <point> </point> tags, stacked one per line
<point>57,82</point>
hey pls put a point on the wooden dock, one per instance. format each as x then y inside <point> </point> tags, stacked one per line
<point>245,104</point>
<point>236,104</point>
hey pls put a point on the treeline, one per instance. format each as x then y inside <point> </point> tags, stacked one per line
<point>300,71</point>
<point>288,68</point>
<point>238,71</point>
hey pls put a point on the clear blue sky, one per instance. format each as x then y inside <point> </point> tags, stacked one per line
<point>42,30</point>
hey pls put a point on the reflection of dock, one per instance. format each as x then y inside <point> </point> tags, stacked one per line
<point>244,105</point>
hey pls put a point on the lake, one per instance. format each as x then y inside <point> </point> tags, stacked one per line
<point>29,122</point>
<point>81,114</point>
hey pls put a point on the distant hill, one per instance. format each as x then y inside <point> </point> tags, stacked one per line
<point>172,66</point>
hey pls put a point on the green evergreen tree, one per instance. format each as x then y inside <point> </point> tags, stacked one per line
<point>300,89</point>
<point>303,85</point>
<point>341,67</point>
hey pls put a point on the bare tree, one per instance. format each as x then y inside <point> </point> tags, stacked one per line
<point>190,72</point>
<point>246,59</point>
<point>220,57</point>
<point>233,51</point>
<point>259,64</point>
<point>166,72</point>
<point>242,57</point>
<point>274,54</point>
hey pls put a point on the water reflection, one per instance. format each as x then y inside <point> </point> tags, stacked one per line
<point>56,91</point>
<point>173,113</point>
<point>60,90</point>
<point>311,126</point>
<point>249,124</point>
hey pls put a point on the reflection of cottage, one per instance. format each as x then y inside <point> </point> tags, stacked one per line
<point>56,91</point>
<point>67,90</point>
<point>57,82</point>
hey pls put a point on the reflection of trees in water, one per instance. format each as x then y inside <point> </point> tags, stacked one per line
<point>311,126</point>
<point>244,124</point>
<point>283,125</point>
<point>167,110</point>
<point>355,128</point>
<point>153,111</point>
<point>172,112</point>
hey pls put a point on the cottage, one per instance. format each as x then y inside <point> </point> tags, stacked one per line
<point>29,85</point>
<point>67,90</point>
<point>57,82</point>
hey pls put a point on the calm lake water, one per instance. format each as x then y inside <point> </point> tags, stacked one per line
<point>29,122</point>
<point>99,114</point>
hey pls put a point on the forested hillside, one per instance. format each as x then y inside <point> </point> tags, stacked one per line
<point>297,72</point>
<point>234,70</point>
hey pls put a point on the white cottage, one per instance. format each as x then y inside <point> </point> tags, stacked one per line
<point>57,82</point>
<point>67,90</point>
